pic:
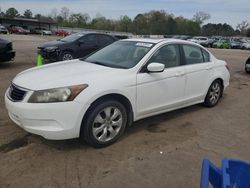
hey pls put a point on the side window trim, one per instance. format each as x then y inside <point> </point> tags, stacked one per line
<point>144,67</point>
<point>202,55</point>
<point>209,58</point>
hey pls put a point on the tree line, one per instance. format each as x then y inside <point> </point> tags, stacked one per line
<point>151,23</point>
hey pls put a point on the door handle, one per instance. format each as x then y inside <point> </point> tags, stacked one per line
<point>182,73</point>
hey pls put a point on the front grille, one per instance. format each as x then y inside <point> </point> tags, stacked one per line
<point>16,94</point>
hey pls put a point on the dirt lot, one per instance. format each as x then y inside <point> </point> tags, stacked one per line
<point>161,151</point>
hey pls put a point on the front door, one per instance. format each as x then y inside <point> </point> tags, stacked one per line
<point>158,92</point>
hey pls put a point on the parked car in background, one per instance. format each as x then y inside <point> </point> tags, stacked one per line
<point>97,97</point>
<point>74,46</point>
<point>42,31</point>
<point>3,29</point>
<point>6,51</point>
<point>223,43</point>
<point>245,44</point>
<point>204,41</point>
<point>182,37</point>
<point>247,66</point>
<point>62,33</point>
<point>18,30</point>
<point>236,43</point>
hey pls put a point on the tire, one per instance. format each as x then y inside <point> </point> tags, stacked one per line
<point>102,127</point>
<point>247,70</point>
<point>214,94</point>
<point>66,56</point>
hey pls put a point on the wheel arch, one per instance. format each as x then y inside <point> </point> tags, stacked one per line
<point>112,96</point>
<point>248,61</point>
<point>220,79</point>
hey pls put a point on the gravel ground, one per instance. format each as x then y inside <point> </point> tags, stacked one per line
<point>161,151</point>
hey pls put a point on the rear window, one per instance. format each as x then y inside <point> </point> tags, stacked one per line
<point>193,54</point>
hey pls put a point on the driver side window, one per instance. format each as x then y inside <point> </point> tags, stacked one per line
<point>168,55</point>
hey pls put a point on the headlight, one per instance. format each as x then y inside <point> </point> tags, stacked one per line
<point>51,49</point>
<point>57,94</point>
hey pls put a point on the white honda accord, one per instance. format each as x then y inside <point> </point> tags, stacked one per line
<point>98,96</point>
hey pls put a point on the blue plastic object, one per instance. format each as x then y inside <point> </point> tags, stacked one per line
<point>232,174</point>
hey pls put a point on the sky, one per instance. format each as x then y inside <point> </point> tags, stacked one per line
<point>221,11</point>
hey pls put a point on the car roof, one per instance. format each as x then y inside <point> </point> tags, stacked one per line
<point>156,41</point>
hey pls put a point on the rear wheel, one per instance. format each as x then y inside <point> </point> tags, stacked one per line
<point>247,67</point>
<point>105,123</point>
<point>214,93</point>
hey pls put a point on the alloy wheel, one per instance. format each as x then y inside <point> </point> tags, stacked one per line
<point>67,57</point>
<point>107,124</point>
<point>214,93</point>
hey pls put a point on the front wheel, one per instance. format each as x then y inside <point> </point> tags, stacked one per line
<point>67,56</point>
<point>104,124</point>
<point>214,93</point>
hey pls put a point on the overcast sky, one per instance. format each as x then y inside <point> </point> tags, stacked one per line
<point>229,11</point>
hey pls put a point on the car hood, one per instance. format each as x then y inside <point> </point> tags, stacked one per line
<point>52,43</point>
<point>61,74</point>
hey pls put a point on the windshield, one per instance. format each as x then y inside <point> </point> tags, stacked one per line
<point>72,38</point>
<point>121,54</point>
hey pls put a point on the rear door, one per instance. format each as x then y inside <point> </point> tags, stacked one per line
<point>199,70</point>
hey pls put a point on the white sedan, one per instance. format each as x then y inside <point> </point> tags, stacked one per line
<point>95,98</point>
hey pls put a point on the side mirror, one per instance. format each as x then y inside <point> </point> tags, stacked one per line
<point>155,67</point>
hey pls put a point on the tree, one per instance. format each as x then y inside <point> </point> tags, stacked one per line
<point>217,29</point>
<point>124,23</point>
<point>201,17</point>
<point>11,13</point>
<point>65,13</point>
<point>157,22</point>
<point>242,27</point>
<point>79,19</point>
<point>38,16</point>
<point>248,32</point>
<point>27,13</point>
<point>140,24</point>
<point>54,13</point>
<point>1,13</point>
<point>172,26</point>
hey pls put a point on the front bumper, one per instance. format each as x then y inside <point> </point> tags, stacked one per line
<point>7,56</point>
<point>54,121</point>
<point>49,56</point>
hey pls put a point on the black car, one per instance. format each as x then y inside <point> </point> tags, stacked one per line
<point>247,66</point>
<point>74,46</point>
<point>6,51</point>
